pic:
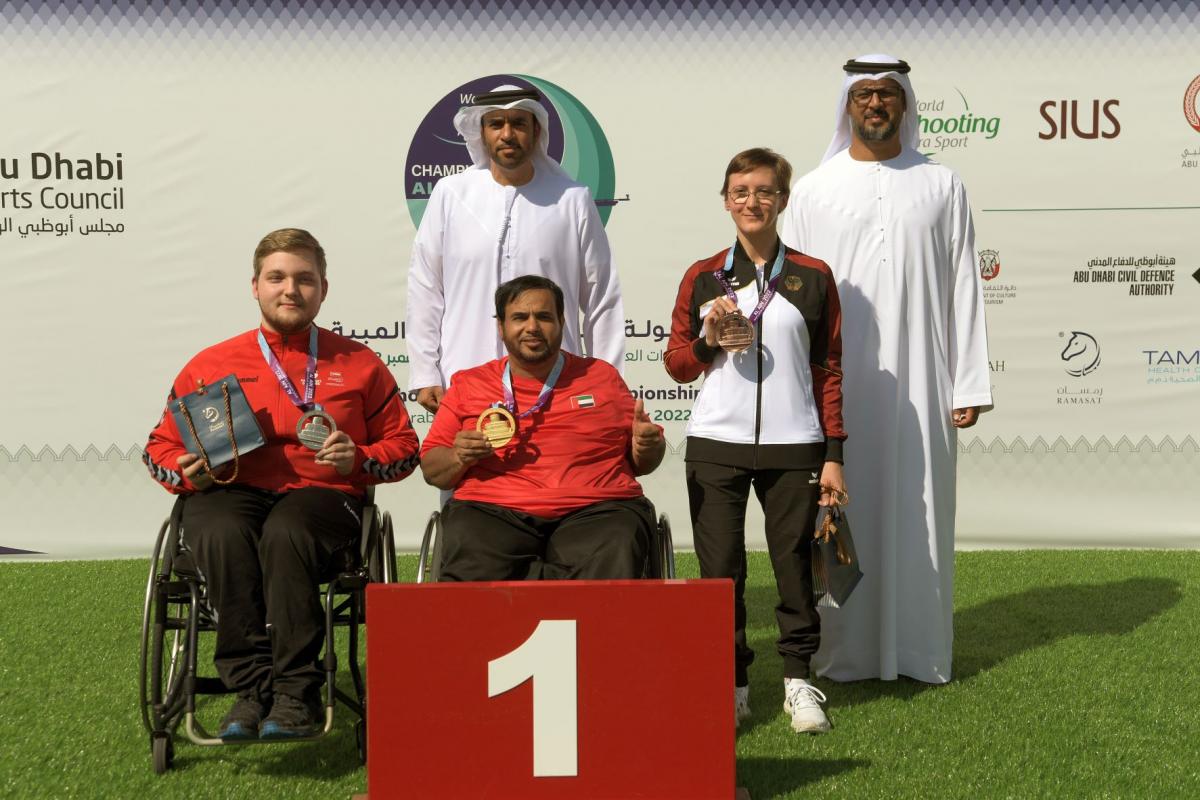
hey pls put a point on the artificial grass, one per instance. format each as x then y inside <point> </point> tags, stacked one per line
<point>1075,676</point>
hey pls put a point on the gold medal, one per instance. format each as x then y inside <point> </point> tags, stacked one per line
<point>498,425</point>
<point>734,332</point>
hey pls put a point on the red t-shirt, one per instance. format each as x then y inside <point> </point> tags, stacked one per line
<point>571,453</point>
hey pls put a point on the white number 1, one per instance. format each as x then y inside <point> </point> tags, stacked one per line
<point>548,657</point>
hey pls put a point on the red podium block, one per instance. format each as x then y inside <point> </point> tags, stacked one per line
<point>553,689</point>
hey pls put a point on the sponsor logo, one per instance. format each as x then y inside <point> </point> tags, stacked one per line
<point>437,150</point>
<point>989,264</point>
<point>1191,110</point>
<point>210,413</point>
<point>950,125</point>
<point>1080,119</point>
<point>1145,276</point>
<point>1081,356</point>
<point>335,379</point>
<point>1172,365</point>
<point>994,294</point>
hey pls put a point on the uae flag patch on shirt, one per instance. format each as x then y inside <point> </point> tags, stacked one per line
<point>583,401</point>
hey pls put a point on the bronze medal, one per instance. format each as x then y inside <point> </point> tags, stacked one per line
<point>734,332</point>
<point>314,428</point>
<point>498,425</point>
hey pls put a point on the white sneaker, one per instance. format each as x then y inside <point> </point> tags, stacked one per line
<point>741,704</point>
<point>802,701</point>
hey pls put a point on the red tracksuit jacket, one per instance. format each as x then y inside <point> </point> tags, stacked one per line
<point>352,384</point>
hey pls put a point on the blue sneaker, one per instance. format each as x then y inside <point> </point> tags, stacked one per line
<point>242,720</point>
<point>290,718</point>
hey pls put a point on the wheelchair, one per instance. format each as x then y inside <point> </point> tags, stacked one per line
<point>429,560</point>
<point>176,611</point>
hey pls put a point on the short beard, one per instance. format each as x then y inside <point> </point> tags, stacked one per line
<point>876,134</point>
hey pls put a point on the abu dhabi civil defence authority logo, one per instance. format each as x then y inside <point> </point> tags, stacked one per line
<point>1081,356</point>
<point>575,141</point>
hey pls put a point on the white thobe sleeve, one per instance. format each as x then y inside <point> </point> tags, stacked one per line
<point>426,297</point>
<point>600,292</point>
<point>791,229</point>
<point>969,368</point>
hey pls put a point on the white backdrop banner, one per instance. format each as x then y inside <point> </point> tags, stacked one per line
<point>147,148</point>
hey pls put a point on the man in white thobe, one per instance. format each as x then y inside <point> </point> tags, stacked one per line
<point>896,230</point>
<point>515,212</point>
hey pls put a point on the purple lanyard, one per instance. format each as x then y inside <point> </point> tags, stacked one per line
<point>310,370</point>
<point>768,293</point>
<point>510,400</point>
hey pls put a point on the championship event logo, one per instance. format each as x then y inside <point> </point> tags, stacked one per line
<point>1190,110</point>
<point>1081,356</point>
<point>575,141</point>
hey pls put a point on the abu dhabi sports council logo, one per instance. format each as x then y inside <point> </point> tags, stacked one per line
<point>989,264</point>
<point>576,141</point>
<point>1191,111</point>
<point>1081,356</point>
<point>944,127</point>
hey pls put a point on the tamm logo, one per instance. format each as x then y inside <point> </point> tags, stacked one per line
<point>1190,110</point>
<point>576,141</point>
<point>1081,356</point>
<point>1075,118</point>
<point>989,264</point>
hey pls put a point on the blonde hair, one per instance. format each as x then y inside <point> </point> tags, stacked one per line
<point>287,240</point>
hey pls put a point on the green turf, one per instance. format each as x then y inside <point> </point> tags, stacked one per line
<point>1076,676</point>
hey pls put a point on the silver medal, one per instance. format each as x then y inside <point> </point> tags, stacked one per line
<point>314,428</point>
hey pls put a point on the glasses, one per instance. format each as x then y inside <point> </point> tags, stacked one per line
<point>863,96</point>
<point>764,196</point>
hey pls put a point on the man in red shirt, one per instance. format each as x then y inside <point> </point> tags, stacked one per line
<point>542,450</point>
<point>265,532</point>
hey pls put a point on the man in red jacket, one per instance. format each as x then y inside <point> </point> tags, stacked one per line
<point>265,534</point>
<point>542,449</point>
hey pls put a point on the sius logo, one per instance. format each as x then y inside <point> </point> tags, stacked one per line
<point>989,264</point>
<point>1064,119</point>
<point>575,140</point>
<point>1081,355</point>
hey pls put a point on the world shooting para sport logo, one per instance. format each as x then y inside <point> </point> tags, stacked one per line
<point>576,141</point>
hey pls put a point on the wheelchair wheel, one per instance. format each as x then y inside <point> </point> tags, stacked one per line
<point>381,560</point>
<point>148,625</point>
<point>360,738</point>
<point>429,561</point>
<point>666,544</point>
<point>163,752</point>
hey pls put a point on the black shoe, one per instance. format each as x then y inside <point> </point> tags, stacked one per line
<point>291,717</point>
<point>242,720</point>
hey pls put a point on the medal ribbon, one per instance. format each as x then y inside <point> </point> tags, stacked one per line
<point>510,400</point>
<point>310,371</point>
<point>768,293</point>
